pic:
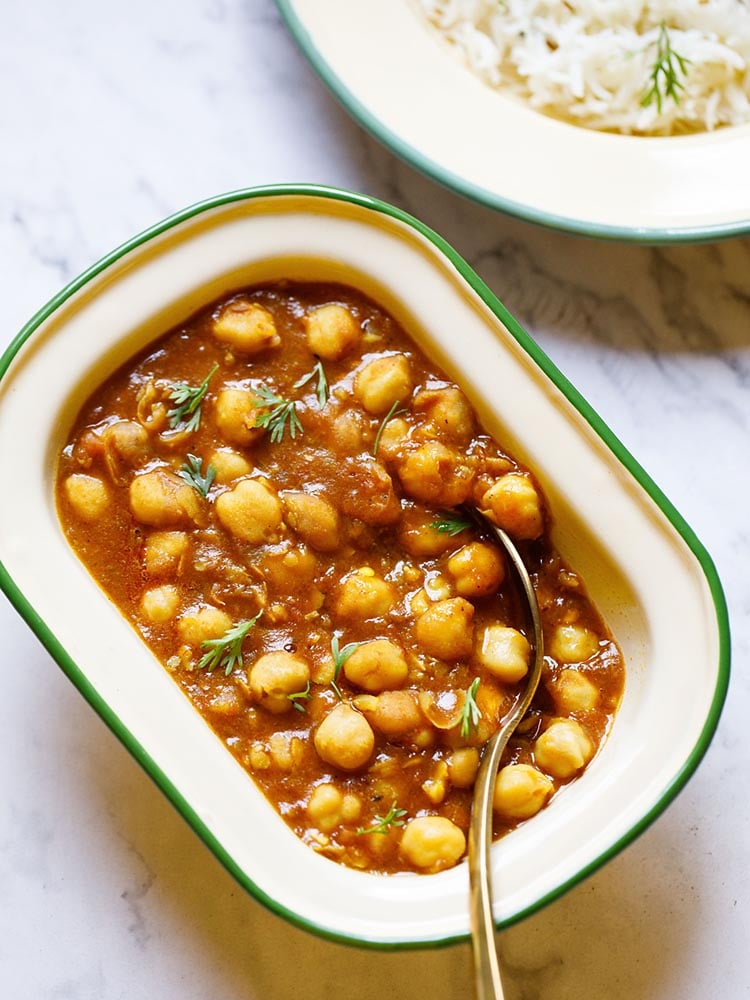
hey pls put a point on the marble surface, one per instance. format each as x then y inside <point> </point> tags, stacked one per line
<point>116,115</point>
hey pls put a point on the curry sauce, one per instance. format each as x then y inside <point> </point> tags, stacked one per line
<point>274,494</point>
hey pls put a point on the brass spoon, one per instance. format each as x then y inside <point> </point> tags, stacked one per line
<point>487,981</point>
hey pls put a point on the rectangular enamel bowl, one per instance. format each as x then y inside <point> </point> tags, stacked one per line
<point>646,571</point>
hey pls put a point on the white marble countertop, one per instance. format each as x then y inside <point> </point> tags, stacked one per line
<point>116,115</point>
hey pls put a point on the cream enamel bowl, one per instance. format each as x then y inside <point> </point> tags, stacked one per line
<point>401,81</point>
<point>645,569</point>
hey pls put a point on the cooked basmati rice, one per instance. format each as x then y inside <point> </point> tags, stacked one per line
<point>589,61</point>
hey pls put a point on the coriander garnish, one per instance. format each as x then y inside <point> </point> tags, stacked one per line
<point>383,824</point>
<point>340,656</point>
<point>665,73</point>
<point>227,651</point>
<point>188,399</point>
<point>451,524</point>
<point>280,414</point>
<point>191,473</point>
<point>298,697</point>
<point>321,391</point>
<point>470,713</point>
<point>389,416</point>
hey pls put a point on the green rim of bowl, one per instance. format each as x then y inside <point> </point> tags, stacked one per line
<point>484,196</point>
<point>111,719</point>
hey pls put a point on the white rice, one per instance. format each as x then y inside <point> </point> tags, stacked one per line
<point>589,61</point>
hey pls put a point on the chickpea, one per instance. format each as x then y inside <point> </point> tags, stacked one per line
<point>573,692</point>
<point>286,751</point>
<point>521,791</point>
<point>313,518</point>
<point>251,511</point>
<point>344,738</point>
<point>236,416</point>
<point>420,539</point>
<point>563,748</point>
<point>324,671</point>
<point>87,495</point>
<point>229,465</point>
<point>436,786</point>
<point>463,765</point>
<point>438,587</point>
<point>274,676</point>
<point>573,643</point>
<point>161,499</point>
<point>328,808</point>
<point>331,331</point>
<point>514,504</point>
<point>436,474</point>
<point>449,412</point>
<point>207,622</point>
<point>351,807</point>
<point>289,569</point>
<point>396,713</point>
<point>420,602</point>
<point>446,629</point>
<point>160,603</point>
<point>164,552</point>
<point>347,431</point>
<point>378,665</point>
<point>432,843</point>
<point>246,327</point>
<point>382,382</point>
<point>364,595</point>
<point>478,570</point>
<point>392,439</point>
<point>505,652</point>
<point>325,806</point>
<point>258,758</point>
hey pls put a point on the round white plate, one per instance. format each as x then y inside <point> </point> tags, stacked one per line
<point>397,78</point>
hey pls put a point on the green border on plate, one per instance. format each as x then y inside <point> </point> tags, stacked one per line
<point>483,196</point>
<point>78,678</point>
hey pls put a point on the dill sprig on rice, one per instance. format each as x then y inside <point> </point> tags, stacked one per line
<point>651,67</point>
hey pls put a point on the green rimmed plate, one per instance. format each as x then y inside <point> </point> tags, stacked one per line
<point>401,82</point>
<point>645,569</point>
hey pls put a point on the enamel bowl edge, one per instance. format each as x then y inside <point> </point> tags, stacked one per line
<point>645,569</point>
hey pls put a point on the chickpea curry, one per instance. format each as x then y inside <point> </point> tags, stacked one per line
<point>275,495</point>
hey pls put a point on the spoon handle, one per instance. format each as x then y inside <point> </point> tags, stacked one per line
<point>486,966</point>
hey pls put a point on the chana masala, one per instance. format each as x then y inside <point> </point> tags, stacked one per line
<point>276,494</point>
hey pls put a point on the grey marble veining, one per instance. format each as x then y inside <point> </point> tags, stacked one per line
<point>113,117</point>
